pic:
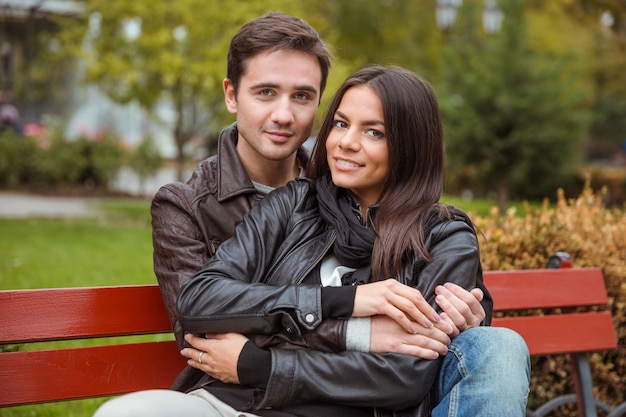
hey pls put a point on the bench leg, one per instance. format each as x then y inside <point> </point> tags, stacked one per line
<point>618,411</point>
<point>584,385</point>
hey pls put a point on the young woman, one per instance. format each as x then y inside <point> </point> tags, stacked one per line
<point>365,237</point>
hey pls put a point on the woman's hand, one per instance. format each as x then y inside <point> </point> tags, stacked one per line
<point>387,336</point>
<point>216,355</point>
<point>461,308</point>
<point>402,303</point>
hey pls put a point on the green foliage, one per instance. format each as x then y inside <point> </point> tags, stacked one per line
<point>18,157</point>
<point>54,161</point>
<point>145,159</point>
<point>514,116</point>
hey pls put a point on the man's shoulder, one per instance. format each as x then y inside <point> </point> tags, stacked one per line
<point>203,181</point>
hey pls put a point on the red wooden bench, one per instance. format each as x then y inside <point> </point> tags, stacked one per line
<point>35,376</point>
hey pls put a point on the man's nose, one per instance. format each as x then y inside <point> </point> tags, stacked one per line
<point>283,113</point>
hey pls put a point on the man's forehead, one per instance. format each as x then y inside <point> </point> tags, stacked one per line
<point>286,69</point>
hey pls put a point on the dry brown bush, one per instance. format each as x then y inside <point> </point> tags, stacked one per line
<point>593,235</point>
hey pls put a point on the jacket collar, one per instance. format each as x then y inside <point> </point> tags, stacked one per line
<point>232,177</point>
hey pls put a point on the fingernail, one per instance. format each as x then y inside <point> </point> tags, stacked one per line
<point>413,329</point>
<point>429,324</point>
<point>438,289</point>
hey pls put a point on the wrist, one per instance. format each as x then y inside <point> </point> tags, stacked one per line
<point>358,333</point>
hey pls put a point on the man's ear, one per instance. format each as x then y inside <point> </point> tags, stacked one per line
<point>230,97</point>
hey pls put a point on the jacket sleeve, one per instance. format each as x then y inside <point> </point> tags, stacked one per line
<point>391,381</point>
<point>230,293</point>
<point>180,250</point>
<point>455,258</point>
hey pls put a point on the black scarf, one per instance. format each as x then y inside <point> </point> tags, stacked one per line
<point>353,247</point>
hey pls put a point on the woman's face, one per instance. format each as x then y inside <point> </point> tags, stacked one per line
<point>357,145</point>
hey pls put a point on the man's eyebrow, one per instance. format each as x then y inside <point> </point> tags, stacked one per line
<point>304,87</point>
<point>263,85</point>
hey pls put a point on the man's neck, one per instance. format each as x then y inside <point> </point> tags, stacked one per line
<point>273,173</point>
<point>269,172</point>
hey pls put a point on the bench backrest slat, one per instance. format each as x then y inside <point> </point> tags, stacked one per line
<point>64,374</point>
<point>546,288</point>
<point>76,313</point>
<point>563,333</point>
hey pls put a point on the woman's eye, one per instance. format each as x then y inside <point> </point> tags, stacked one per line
<point>340,124</point>
<point>375,133</point>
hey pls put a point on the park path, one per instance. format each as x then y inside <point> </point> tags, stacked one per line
<point>16,205</point>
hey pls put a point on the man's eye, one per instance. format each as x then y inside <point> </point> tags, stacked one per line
<point>303,96</point>
<point>266,92</point>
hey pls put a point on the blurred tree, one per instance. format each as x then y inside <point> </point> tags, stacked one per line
<point>514,115</point>
<point>166,52</point>
<point>386,32</point>
<point>606,57</point>
<point>145,160</point>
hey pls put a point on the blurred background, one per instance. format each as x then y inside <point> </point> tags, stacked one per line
<point>114,98</point>
<point>123,96</point>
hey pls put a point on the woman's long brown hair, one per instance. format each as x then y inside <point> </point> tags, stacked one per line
<point>416,162</point>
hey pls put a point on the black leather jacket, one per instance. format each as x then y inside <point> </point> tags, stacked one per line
<point>251,286</point>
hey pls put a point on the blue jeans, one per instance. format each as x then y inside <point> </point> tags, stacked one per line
<point>486,373</point>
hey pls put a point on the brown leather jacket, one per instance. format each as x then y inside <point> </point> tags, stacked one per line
<point>190,220</point>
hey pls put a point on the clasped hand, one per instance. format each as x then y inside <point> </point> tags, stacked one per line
<point>402,322</point>
<point>220,353</point>
<point>427,334</point>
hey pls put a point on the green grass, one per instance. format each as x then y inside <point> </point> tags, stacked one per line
<point>114,248</point>
<point>482,207</point>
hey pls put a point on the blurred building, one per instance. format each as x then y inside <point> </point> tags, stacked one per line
<point>27,37</point>
<point>43,84</point>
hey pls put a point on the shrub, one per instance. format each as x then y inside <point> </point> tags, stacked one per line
<point>593,235</point>
<point>55,161</point>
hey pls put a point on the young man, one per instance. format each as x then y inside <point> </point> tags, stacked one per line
<point>277,71</point>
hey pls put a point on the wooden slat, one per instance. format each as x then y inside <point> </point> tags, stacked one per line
<point>71,313</point>
<point>63,374</point>
<point>545,288</point>
<point>563,333</point>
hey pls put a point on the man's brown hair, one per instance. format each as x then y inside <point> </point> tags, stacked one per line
<point>275,31</point>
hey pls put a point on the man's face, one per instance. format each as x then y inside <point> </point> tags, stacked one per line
<point>278,96</point>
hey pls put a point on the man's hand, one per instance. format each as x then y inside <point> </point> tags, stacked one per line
<point>387,336</point>
<point>217,355</point>
<point>461,308</point>
<point>402,303</point>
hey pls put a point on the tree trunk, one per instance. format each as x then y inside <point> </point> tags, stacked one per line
<point>503,191</point>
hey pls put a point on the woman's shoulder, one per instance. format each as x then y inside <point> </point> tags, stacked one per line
<point>293,193</point>
<point>444,218</point>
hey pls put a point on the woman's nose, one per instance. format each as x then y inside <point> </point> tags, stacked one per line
<point>349,140</point>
